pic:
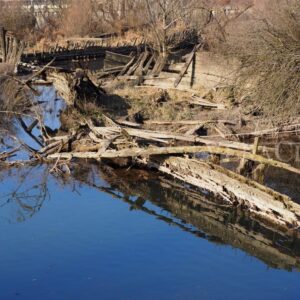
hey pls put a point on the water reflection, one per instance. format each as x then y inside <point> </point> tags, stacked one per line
<point>27,194</point>
<point>159,197</point>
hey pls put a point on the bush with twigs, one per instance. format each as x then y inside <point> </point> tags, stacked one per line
<point>267,42</point>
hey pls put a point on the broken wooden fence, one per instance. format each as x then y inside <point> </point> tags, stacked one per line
<point>11,48</point>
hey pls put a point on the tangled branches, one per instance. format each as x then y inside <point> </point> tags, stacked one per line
<point>267,42</point>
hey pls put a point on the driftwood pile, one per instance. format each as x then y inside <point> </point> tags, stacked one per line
<point>193,160</point>
<point>11,48</point>
<point>178,156</point>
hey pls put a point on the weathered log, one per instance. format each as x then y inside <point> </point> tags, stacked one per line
<point>154,135</point>
<point>262,203</point>
<point>145,152</point>
<point>189,122</point>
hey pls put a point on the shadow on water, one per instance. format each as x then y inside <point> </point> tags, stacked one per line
<point>167,201</point>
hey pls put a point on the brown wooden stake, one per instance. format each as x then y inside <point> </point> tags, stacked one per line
<point>3,43</point>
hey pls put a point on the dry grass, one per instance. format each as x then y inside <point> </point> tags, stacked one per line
<point>14,18</point>
<point>157,104</point>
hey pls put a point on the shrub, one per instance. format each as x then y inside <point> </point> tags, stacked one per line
<point>266,40</point>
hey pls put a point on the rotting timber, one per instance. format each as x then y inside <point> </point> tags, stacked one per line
<point>98,133</point>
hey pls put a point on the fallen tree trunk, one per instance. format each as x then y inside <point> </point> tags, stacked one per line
<point>263,203</point>
<point>145,152</point>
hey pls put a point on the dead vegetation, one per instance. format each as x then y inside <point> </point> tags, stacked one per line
<point>14,18</point>
<point>14,99</point>
<point>266,41</point>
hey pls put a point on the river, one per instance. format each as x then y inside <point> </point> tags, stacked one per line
<point>130,234</point>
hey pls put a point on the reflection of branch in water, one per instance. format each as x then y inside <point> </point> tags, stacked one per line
<point>28,198</point>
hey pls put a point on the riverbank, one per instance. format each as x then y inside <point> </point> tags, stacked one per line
<point>122,129</point>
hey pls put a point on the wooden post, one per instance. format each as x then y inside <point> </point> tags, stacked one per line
<point>256,145</point>
<point>3,43</point>
<point>186,65</point>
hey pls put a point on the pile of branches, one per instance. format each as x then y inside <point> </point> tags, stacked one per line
<point>14,100</point>
<point>175,155</point>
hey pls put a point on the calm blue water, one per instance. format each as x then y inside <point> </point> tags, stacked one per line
<point>106,236</point>
<point>80,243</point>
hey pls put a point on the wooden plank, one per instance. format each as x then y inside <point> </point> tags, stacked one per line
<point>145,152</point>
<point>263,203</point>
<point>127,66</point>
<point>159,65</point>
<point>139,69</point>
<point>3,43</point>
<point>148,65</point>
<point>120,58</point>
<point>149,134</point>
<point>133,68</point>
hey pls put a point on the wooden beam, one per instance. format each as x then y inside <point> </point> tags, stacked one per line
<point>3,44</point>
<point>145,152</point>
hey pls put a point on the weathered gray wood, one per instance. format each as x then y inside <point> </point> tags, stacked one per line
<point>117,57</point>
<point>159,65</point>
<point>148,134</point>
<point>127,66</point>
<point>144,152</point>
<point>262,203</point>
<point>139,69</point>
<point>148,65</point>
<point>3,44</point>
